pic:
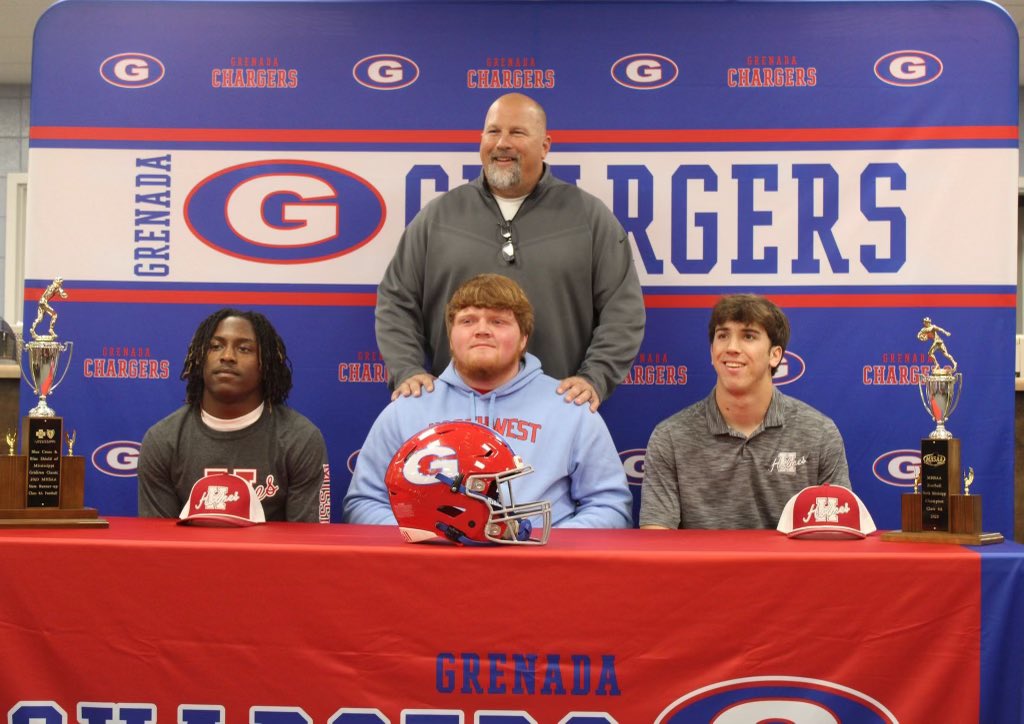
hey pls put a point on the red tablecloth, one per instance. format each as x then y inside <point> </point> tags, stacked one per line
<point>633,624</point>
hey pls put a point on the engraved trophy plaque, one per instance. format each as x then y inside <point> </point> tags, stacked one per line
<point>43,487</point>
<point>936,511</point>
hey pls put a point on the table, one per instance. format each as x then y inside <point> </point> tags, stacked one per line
<point>295,623</point>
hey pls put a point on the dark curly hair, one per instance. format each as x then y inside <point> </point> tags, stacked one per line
<point>275,367</point>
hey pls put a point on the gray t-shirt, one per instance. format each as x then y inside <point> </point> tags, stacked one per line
<point>282,454</point>
<point>700,474</point>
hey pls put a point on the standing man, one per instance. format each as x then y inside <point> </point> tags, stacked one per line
<point>735,458</point>
<point>561,244</point>
<point>238,377</point>
<point>492,380</point>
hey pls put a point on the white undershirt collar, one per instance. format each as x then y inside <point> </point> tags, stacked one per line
<point>235,423</point>
<point>510,207</point>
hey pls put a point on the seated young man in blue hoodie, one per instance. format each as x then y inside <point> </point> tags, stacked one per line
<point>494,381</point>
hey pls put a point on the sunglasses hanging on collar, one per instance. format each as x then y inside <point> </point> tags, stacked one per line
<point>508,250</point>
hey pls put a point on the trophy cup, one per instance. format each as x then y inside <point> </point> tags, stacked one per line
<point>936,512</point>
<point>42,487</point>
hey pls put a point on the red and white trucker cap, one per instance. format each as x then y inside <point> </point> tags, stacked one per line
<point>826,511</point>
<point>222,499</point>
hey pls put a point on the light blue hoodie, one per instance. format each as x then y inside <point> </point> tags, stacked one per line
<point>576,466</point>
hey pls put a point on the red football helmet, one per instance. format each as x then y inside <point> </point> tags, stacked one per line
<point>454,480</point>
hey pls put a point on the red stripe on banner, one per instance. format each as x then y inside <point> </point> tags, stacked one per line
<point>251,135</point>
<point>713,135</point>
<point>204,296</point>
<point>783,135</point>
<point>702,301</point>
<point>651,301</point>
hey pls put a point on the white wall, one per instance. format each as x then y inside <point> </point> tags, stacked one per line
<point>14,101</point>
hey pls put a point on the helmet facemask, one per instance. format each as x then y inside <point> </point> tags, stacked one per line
<point>508,522</point>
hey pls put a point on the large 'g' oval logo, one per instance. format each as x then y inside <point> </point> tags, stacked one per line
<point>897,468</point>
<point>790,369</point>
<point>633,464</point>
<point>284,211</point>
<point>118,458</point>
<point>776,698</point>
<point>908,68</point>
<point>644,71</point>
<point>132,70</point>
<point>386,72</point>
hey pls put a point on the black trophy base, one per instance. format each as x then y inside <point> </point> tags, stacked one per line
<point>941,504</point>
<point>940,479</point>
<point>938,536</point>
<point>41,441</point>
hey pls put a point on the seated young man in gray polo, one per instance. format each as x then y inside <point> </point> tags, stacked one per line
<point>733,459</point>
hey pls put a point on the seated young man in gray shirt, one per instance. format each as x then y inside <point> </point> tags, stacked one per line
<point>733,459</point>
<point>235,420</point>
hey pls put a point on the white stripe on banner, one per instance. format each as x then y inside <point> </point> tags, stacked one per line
<point>823,218</point>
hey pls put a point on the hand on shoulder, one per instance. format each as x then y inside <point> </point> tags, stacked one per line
<point>414,386</point>
<point>579,390</point>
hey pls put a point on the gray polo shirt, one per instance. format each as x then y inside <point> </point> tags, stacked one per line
<point>700,474</point>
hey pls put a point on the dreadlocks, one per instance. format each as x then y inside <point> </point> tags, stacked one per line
<point>275,367</point>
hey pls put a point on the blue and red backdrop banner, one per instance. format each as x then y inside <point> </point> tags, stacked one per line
<point>855,161</point>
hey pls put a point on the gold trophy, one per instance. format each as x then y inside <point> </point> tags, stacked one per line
<point>42,487</point>
<point>44,353</point>
<point>936,511</point>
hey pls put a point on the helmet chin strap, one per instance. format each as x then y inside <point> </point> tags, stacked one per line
<point>454,483</point>
<point>454,534</point>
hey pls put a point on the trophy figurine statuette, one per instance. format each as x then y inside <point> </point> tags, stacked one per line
<point>936,511</point>
<point>44,353</point>
<point>41,487</point>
